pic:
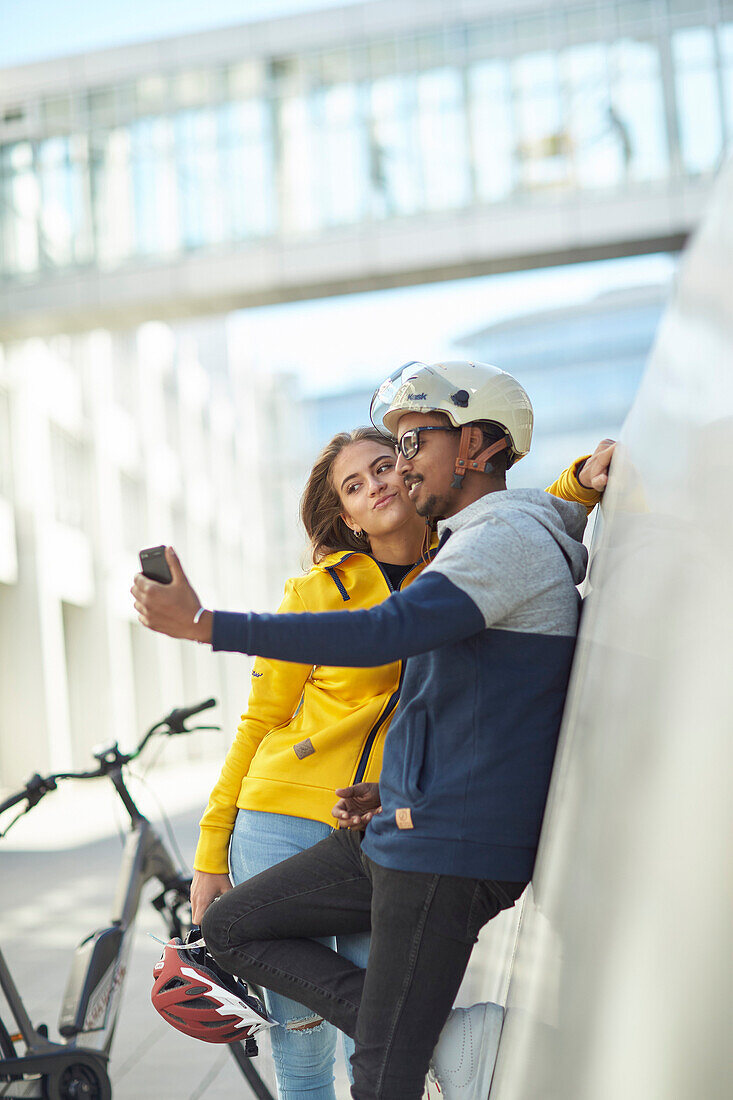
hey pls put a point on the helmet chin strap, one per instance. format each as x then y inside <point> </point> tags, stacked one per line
<point>477,464</point>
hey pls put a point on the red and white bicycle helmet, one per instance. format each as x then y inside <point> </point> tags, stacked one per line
<point>197,997</point>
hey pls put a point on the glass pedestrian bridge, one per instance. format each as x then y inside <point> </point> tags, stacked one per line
<point>371,145</point>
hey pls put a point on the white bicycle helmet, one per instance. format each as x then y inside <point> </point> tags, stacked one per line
<point>466,392</point>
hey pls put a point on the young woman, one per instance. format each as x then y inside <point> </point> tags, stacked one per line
<point>309,730</point>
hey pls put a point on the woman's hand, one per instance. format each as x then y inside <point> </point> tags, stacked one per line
<point>205,888</point>
<point>357,805</point>
<point>594,471</point>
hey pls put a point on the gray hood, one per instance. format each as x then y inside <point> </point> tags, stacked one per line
<point>564,520</point>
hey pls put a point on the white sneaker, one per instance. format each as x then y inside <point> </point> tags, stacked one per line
<point>464,1059</point>
<point>432,1090</point>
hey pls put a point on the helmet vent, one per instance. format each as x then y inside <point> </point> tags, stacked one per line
<point>460,398</point>
<point>201,1002</point>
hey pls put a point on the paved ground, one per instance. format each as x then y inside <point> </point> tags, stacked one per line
<point>52,900</point>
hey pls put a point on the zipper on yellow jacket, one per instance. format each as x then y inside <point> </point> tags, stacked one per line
<point>391,705</point>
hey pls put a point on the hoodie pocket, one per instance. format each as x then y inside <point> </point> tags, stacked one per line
<point>414,762</point>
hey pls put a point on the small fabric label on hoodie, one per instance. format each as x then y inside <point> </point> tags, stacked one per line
<point>403,818</point>
<point>304,748</point>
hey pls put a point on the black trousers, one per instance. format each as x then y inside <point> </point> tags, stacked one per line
<point>423,930</point>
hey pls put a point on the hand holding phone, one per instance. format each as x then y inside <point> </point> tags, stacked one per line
<point>154,566</point>
<point>169,605</point>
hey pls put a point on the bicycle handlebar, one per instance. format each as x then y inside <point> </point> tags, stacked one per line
<point>109,758</point>
<point>177,717</point>
<point>36,787</point>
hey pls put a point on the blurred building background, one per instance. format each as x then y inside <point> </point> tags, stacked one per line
<point>149,193</point>
<point>282,158</point>
<point>112,441</point>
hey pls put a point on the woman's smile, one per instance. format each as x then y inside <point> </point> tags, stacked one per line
<point>374,501</point>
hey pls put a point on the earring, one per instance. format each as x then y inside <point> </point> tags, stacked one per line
<point>358,533</point>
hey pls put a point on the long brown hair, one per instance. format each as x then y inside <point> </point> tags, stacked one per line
<point>320,504</point>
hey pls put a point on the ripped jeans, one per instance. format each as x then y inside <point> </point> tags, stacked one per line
<point>303,1059</point>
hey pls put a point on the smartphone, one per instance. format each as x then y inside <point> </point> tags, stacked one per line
<point>154,565</point>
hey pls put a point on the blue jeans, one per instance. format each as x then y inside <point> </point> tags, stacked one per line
<point>303,1059</point>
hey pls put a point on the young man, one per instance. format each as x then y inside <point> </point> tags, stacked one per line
<point>489,629</point>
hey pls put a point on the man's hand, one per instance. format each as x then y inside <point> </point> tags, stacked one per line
<point>594,471</point>
<point>170,608</point>
<point>205,888</point>
<point>357,805</point>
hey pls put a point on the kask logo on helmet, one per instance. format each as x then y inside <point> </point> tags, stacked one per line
<point>417,397</point>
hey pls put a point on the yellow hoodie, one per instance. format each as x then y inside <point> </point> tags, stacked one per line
<point>310,729</point>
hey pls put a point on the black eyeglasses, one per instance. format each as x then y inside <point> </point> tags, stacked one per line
<point>409,444</point>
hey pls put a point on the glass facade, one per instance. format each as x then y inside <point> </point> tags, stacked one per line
<point>607,95</point>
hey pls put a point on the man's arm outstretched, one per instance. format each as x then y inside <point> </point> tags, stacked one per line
<point>432,612</point>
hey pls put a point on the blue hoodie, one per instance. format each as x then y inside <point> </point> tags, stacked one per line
<point>489,629</point>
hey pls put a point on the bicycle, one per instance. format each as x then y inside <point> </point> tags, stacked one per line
<point>76,1069</point>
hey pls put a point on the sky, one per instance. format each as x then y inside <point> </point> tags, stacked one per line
<point>343,342</point>
<point>33,30</point>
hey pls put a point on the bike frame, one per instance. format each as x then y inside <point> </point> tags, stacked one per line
<point>93,994</point>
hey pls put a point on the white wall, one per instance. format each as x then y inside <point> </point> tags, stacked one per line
<point>622,985</point>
